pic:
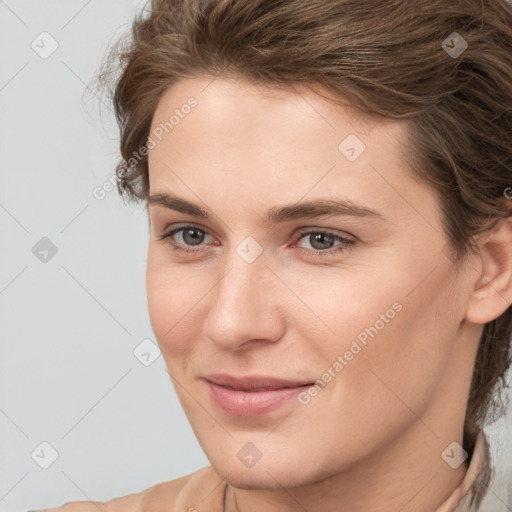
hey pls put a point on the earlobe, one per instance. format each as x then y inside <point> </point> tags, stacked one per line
<point>492,292</point>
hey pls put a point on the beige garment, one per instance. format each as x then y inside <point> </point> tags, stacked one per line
<point>203,491</point>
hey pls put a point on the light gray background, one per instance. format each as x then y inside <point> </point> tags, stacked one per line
<point>69,325</point>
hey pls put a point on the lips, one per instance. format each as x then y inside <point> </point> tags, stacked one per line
<point>252,396</point>
<point>254,383</point>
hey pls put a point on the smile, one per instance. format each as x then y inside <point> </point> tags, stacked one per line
<point>252,396</point>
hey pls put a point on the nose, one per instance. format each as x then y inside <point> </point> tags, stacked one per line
<point>245,307</point>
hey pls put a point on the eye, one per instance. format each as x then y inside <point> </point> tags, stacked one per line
<point>190,234</point>
<point>321,240</point>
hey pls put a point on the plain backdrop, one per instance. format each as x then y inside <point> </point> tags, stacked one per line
<point>83,415</point>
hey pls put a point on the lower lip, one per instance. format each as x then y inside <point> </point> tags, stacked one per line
<point>252,403</point>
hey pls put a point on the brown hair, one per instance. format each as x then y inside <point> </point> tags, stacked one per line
<point>390,58</point>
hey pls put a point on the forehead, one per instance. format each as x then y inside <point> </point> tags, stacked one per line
<point>219,98</point>
<point>232,118</point>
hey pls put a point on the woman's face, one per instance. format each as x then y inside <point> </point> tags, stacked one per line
<point>254,289</point>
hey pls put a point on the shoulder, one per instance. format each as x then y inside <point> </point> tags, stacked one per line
<point>185,493</point>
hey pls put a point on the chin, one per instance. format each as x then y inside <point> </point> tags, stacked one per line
<point>270,473</point>
<point>251,480</point>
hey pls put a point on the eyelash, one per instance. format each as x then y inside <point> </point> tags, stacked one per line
<point>343,246</point>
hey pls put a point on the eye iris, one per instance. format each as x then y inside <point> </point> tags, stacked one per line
<point>320,237</point>
<point>195,240</point>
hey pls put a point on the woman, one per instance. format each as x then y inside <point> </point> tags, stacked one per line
<point>329,272</point>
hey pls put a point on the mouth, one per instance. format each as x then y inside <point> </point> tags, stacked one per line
<point>252,396</point>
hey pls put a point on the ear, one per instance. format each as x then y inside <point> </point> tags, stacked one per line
<point>492,292</point>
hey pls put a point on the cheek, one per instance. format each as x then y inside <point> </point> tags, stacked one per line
<point>408,356</point>
<point>171,296</point>
<point>339,306</point>
<point>385,323</point>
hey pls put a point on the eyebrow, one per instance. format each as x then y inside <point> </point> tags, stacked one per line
<point>304,210</point>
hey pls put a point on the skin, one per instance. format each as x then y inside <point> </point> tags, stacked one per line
<point>372,438</point>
